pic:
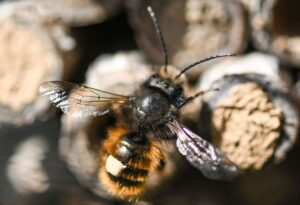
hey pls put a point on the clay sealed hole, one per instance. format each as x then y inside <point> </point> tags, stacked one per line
<point>246,126</point>
<point>286,18</point>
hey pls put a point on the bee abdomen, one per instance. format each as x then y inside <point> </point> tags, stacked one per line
<point>126,175</point>
<point>123,180</point>
<point>130,177</point>
<point>134,174</point>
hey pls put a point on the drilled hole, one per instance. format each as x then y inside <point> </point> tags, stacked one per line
<point>286,18</point>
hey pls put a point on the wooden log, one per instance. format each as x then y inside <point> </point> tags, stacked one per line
<point>252,117</point>
<point>32,50</point>
<point>81,140</point>
<point>27,161</point>
<point>275,28</point>
<point>192,29</point>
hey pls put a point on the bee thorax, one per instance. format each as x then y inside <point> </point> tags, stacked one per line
<point>151,106</point>
<point>114,166</point>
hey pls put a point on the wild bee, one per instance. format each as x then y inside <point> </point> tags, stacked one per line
<point>144,120</point>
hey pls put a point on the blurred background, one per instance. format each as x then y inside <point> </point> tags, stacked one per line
<point>86,41</point>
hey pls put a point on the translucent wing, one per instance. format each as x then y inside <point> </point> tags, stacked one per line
<point>203,155</point>
<point>80,100</point>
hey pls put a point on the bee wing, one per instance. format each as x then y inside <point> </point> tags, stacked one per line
<point>203,155</point>
<point>79,100</point>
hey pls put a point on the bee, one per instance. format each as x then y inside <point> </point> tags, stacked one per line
<point>144,120</point>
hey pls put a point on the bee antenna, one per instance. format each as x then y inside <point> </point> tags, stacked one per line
<point>158,31</point>
<point>202,61</point>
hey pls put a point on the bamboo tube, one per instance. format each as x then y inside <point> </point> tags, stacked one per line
<point>78,12</point>
<point>275,28</point>
<point>252,117</point>
<point>32,50</point>
<point>192,29</point>
<point>32,168</point>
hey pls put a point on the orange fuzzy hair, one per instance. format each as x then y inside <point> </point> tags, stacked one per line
<point>148,160</point>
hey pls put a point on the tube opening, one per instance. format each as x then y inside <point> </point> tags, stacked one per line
<point>286,18</point>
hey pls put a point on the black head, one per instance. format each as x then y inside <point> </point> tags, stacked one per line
<point>166,86</point>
